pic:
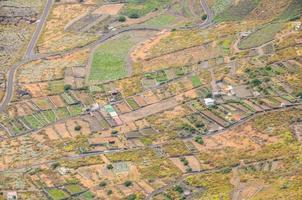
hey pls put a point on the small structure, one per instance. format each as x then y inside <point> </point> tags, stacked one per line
<point>63,170</point>
<point>94,107</point>
<point>133,135</point>
<point>11,195</point>
<point>245,34</point>
<point>23,93</point>
<point>297,26</point>
<point>113,114</point>
<point>230,90</point>
<point>209,102</point>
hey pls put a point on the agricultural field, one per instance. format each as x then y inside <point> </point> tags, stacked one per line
<point>108,62</point>
<point>151,99</point>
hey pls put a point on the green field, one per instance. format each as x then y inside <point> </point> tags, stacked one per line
<point>195,81</point>
<point>261,36</point>
<point>75,109</point>
<point>143,7</point>
<point>56,87</point>
<point>293,11</point>
<point>109,60</point>
<point>57,194</point>
<point>62,113</point>
<point>161,21</point>
<point>238,11</point>
<point>74,189</point>
<point>132,104</point>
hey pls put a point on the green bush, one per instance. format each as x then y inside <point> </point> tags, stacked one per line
<point>134,15</point>
<point>131,197</point>
<point>110,166</point>
<point>67,87</point>
<point>121,18</point>
<point>128,183</point>
<point>199,140</point>
<point>77,128</point>
<point>103,184</point>
<point>204,17</point>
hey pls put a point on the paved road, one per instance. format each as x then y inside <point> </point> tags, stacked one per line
<point>29,55</point>
<point>209,13</point>
<point>30,48</point>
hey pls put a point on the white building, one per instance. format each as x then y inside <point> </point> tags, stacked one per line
<point>209,101</point>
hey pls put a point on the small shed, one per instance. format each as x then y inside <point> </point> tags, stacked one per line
<point>209,101</point>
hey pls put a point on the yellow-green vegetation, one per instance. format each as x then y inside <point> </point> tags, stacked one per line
<point>133,156</point>
<point>276,125</point>
<point>55,38</point>
<point>109,60</point>
<point>283,181</point>
<point>138,8</point>
<point>57,194</point>
<point>236,11</point>
<point>293,11</point>
<point>177,40</point>
<point>261,36</point>
<point>86,161</point>
<point>150,165</point>
<point>161,21</point>
<point>176,148</point>
<point>56,87</point>
<point>217,185</point>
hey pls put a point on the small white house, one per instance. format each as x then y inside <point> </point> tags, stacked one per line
<point>94,107</point>
<point>209,101</point>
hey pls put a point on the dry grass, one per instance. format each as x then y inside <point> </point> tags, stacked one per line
<point>55,38</point>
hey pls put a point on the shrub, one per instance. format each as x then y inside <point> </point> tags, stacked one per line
<point>209,95</point>
<point>103,184</point>
<point>131,197</point>
<point>299,95</point>
<point>114,132</point>
<point>128,183</point>
<point>109,192</point>
<point>55,165</point>
<point>110,166</point>
<point>67,87</point>
<point>121,18</point>
<point>134,15</point>
<point>77,128</point>
<point>178,189</point>
<point>255,82</point>
<point>199,140</point>
<point>204,17</point>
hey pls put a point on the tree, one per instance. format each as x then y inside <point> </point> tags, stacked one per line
<point>199,140</point>
<point>110,166</point>
<point>114,132</point>
<point>204,17</point>
<point>121,18</point>
<point>255,82</point>
<point>67,87</point>
<point>128,183</point>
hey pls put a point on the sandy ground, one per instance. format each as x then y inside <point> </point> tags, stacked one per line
<point>51,133</point>
<point>140,52</point>
<point>110,9</point>
<point>57,101</point>
<point>149,110</point>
